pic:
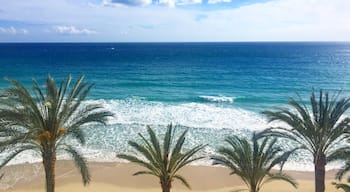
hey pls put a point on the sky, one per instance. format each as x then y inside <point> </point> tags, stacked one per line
<point>174,20</point>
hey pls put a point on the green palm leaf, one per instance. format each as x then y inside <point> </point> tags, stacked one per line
<point>162,160</point>
<point>342,186</point>
<point>182,180</point>
<point>144,173</point>
<point>80,163</point>
<point>283,177</point>
<point>253,161</point>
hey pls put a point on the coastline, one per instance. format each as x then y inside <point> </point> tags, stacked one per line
<point>114,177</point>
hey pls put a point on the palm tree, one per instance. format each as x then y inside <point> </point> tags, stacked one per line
<point>318,130</point>
<point>43,119</point>
<point>162,161</point>
<point>253,161</point>
<point>342,154</point>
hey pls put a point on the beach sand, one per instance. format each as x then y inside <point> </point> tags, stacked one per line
<point>117,177</point>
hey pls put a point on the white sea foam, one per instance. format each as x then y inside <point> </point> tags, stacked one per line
<point>196,115</point>
<point>24,157</point>
<point>217,99</point>
<point>208,122</point>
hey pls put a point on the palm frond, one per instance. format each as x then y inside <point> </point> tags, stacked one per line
<point>75,133</point>
<point>14,153</point>
<point>176,152</point>
<point>342,153</point>
<point>145,152</point>
<point>167,140</point>
<point>283,177</point>
<point>163,160</point>
<point>342,186</point>
<point>80,162</point>
<point>185,159</point>
<point>144,173</point>
<point>154,141</point>
<point>183,181</point>
<point>147,144</point>
<point>136,160</point>
<point>317,130</point>
<point>344,169</point>
<point>251,160</point>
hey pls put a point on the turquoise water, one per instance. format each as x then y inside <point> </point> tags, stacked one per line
<point>214,89</point>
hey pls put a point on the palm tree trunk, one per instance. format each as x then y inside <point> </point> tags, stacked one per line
<point>320,164</point>
<point>166,186</point>
<point>253,188</point>
<point>49,161</point>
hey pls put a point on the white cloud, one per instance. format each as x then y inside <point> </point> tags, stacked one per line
<point>218,1</point>
<point>13,31</point>
<point>72,30</point>
<point>168,3</point>
<point>275,20</point>
<point>188,2</point>
<point>127,2</point>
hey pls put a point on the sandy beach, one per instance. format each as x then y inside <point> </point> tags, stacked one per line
<point>117,177</point>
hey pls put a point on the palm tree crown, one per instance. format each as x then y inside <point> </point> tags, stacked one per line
<point>43,119</point>
<point>318,130</point>
<point>162,161</point>
<point>253,161</point>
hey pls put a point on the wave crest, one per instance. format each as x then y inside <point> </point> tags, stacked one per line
<point>195,115</point>
<point>217,99</point>
<point>207,123</point>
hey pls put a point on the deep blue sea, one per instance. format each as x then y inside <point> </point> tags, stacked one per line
<point>214,89</point>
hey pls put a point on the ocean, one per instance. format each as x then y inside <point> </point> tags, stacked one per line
<point>212,89</point>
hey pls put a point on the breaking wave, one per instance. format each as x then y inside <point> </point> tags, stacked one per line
<point>207,123</point>
<point>217,99</point>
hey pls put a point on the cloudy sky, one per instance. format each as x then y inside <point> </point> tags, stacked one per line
<point>173,20</point>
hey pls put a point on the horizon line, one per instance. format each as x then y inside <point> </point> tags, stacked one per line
<point>160,42</point>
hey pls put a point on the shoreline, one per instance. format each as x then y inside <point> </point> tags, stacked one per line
<point>114,176</point>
